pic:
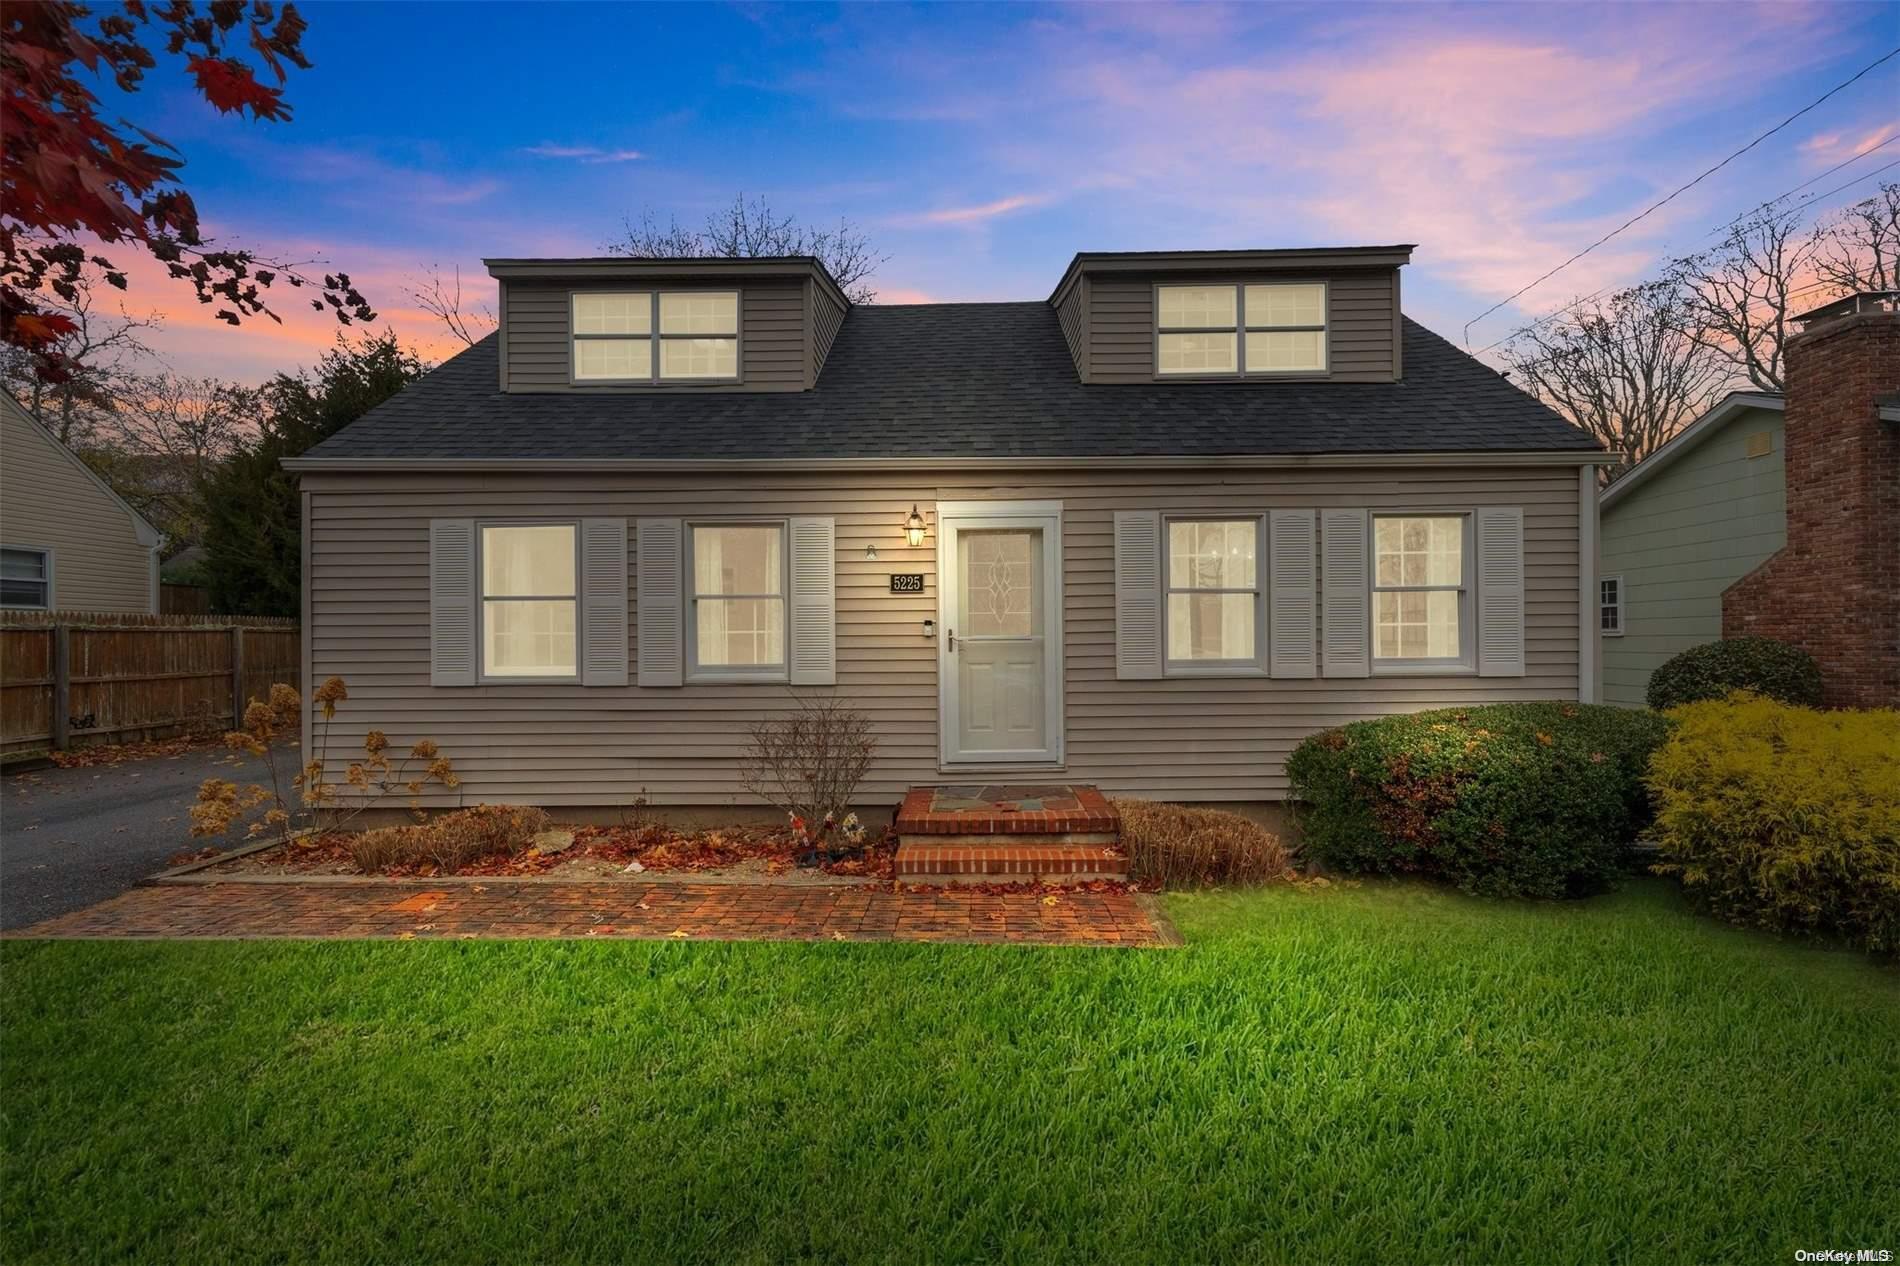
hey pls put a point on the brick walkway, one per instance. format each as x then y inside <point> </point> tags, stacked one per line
<point>501,908</point>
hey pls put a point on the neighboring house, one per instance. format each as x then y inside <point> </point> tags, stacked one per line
<point>1149,533</point>
<point>1834,588</point>
<point>1683,525</point>
<point>67,541</point>
<point>1776,516</point>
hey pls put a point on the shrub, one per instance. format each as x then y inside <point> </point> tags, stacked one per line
<point>1760,664</point>
<point>1509,799</point>
<point>1784,817</point>
<point>1180,847</point>
<point>809,762</point>
<point>450,841</point>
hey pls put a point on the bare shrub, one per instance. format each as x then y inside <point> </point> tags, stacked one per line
<point>809,763</point>
<point>1196,848</point>
<point>450,841</point>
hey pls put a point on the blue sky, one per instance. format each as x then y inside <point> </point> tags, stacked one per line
<point>980,146</point>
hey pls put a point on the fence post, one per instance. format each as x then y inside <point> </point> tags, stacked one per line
<point>237,677</point>
<point>62,686</point>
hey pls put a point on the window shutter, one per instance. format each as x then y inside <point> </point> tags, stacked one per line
<point>603,602</point>
<point>1137,595</point>
<point>1500,550</point>
<point>1292,598</point>
<point>812,641</point>
<point>1346,594</point>
<point>451,602</point>
<point>661,599</point>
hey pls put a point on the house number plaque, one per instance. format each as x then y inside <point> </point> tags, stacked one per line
<point>907,584</point>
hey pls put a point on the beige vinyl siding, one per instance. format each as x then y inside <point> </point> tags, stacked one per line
<point>48,501</point>
<point>1194,739</point>
<point>827,319</point>
<point>1683,536</point>
<point>1361,322</point>
<point>772,348</point>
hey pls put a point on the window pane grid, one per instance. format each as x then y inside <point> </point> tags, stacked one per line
<point>1212,591</point>
<point>738,597</point>
<point>1418,587</point>
<point>530,596</point>
<point>655,336</point>
<point>1233,329</point>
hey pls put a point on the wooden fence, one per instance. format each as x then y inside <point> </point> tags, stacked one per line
<point>68,679</point>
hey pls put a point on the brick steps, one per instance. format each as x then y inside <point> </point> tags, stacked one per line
<point>931,862</point>
<point>999,833</point>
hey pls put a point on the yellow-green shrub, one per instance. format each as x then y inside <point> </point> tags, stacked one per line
<point>1784,817</point>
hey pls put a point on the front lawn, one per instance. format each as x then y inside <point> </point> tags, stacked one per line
<point>1385,1073</point>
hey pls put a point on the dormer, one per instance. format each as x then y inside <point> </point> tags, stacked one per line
<point>1245,317</point>
<point>665,325</point>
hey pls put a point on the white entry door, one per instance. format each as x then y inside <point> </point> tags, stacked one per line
<point>1001,648</point>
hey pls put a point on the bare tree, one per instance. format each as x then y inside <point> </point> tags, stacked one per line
<point>1627,369</point>
<point>809,763</point>
<point>98,356</point>
<point>165,440</point>
<point>442,299</point>
<point>1739,297</point>
<point>1859,247</point>
<point>748,230</point>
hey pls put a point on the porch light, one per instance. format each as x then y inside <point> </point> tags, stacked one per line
<point>914,527</point>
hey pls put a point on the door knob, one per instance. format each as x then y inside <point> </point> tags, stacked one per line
<point>952,643</point>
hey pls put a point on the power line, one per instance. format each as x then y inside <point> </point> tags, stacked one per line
<point>1678,192</point>
<point>1574,304</point>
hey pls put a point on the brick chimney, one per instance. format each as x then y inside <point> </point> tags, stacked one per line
<point>1834,588</point>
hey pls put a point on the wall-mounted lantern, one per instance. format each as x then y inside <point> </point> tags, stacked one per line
<point>914,528</point>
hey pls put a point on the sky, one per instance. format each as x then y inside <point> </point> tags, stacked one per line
<point>980,146</point>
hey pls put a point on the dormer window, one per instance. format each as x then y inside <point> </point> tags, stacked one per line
<point>1213,331</point>
<point>697,332</point>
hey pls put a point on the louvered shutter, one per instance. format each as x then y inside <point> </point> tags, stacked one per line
<point>452,602</point>
<point>603,602</point>
<point>661,599</point>
<point>1346,592</point>
<point>1292,594</point>
<point>812,650</point>
<point>1137,595</point>
<point>1500,551</point>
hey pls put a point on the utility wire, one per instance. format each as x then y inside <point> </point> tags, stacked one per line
<point>1656,206</point>
<point>1574,304</point>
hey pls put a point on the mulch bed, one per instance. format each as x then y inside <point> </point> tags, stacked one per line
<point>598,852</point>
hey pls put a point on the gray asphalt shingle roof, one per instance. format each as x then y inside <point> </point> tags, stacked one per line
<point>963,380</point>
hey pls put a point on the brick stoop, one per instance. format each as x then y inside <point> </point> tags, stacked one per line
<point>988,863</point>
<point>988,833</point>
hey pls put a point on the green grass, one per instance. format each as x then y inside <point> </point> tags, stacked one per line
<point>1385,1073</point>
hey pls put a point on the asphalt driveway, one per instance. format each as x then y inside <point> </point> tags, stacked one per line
<point>72,837</point>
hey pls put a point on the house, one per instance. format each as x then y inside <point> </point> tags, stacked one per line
<point>1771,515</point>
<point>67,541</point>
<point>1146,534</point>
<point>1679,528</point>
<point>1834,588</point>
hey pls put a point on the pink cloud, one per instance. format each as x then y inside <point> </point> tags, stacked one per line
<point>889,295</point>
<point>973,214</point>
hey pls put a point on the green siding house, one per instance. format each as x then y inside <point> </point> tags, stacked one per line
<point>1699,514</point>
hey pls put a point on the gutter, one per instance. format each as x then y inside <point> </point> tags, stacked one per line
<point>1559,459</point>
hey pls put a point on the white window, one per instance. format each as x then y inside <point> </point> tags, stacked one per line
<point>697,332</point>
<point>1610,606</point>
<point>1225,330</point>
<point>26,578</point>
<point>613,337</point>
<point>528,600</point>
<point>737,613</point>
<point>1286,329</point>
<point>1420,595</point>
<point>1213,594</point>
